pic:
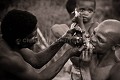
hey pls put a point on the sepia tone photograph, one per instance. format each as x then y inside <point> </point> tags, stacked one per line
<point>59,40</point>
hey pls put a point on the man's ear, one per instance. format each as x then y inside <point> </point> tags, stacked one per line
<point>116,47</point>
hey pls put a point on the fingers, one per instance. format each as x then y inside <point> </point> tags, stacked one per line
<point>76,51</point>
<point>86,55</point>
<point>74,30</point>
<point>75,41</point>
<point>81,48</point>
<point>81,17</point>
<point>78,17</point>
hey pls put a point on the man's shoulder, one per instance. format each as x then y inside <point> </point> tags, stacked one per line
<point>116,67</point>
<point>115,72</point>
<point>7,55</point>
<point>10,56</point>
<point>12,60</point>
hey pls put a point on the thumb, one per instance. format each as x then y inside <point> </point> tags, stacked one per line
<point>82,48</point>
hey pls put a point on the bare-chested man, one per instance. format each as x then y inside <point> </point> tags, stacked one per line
<point>105,63</point>
<point>17,60</point>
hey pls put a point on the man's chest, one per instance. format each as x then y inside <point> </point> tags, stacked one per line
<point>100,73</point>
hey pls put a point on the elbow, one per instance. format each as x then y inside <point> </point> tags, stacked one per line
<point>36,65</point>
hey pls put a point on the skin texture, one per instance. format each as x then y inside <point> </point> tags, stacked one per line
<point>14,63</point>
<point>104,65</point>
<point>18,63</point>
<point>86,8</point>
<point>85,21</point>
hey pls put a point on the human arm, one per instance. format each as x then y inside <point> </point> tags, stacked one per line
<point>85,58</point>
<point>15,65</point>
<point>38,60</point>
<point>54,68</point>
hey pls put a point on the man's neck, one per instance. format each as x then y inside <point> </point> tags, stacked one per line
<point>107,59</point>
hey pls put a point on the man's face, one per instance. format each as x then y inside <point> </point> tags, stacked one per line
<point>32,38</point>
<point>101,40</point>
<point>87,9</point>
<point>29,41</point>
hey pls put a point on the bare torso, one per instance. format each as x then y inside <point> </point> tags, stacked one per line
<point>100,72</point>
<point>5,54</point>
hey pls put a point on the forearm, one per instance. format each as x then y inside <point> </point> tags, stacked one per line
<point>46,55</point>
<point>51,71</point>
<point>38,60</point>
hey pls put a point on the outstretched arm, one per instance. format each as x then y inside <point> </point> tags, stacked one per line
<point>38,60</point>
<point>55,68</point>
<point>15,64</point>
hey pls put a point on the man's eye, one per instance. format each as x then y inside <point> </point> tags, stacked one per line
<point>100,39</point>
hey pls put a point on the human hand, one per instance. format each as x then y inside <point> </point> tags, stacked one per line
<point>72,38</point>
<point>75,51</point>
<point>67,35</point>
<point>78,18</point>
<point>87,54</point>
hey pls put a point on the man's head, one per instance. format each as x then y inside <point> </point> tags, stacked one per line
<point>85,7</point>
<point>106,35</point>
<point>16,25</point>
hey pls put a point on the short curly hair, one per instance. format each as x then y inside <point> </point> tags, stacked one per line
<point>71,4</point>
<point>17,24</point>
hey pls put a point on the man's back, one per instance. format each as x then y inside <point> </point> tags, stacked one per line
<point>4,61</point>
<point>11,63</point>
